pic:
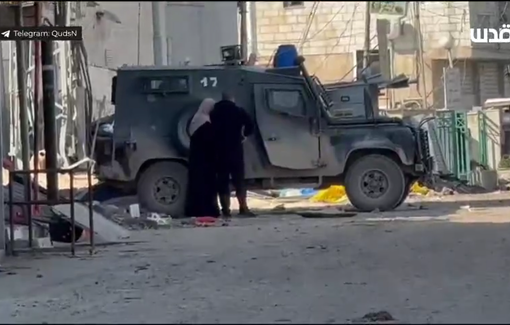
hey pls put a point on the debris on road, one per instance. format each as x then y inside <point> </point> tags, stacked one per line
<point>375,317</point>
<point>105,230</point>
<point>130,219</point>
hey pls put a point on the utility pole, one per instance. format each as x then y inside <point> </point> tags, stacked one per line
<point>37,100</point>
<point>138,27</point>
<point>23,116</point>
<point>366,47</point>
<point>50,123</point>
<point>3,104</point>
<point>253,27</point>
<point>420,53</point>
<point>243,10</point>
<point>159,32</point>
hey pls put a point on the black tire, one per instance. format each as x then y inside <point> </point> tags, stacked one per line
<point>375,167</point>
<point>61,231</point>
<point>167,174</point>
<point>409,183</point>
<point>180,136</point>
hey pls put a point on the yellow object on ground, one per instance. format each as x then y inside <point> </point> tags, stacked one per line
<point>417,189</point>
<point>337,194</point>
<point>333,194</point>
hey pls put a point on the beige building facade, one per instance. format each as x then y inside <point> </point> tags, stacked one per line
<point>333,43</point>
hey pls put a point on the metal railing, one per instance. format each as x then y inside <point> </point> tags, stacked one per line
<point>28,202</point>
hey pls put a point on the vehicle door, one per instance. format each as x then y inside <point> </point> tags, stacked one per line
<point>286,126</point>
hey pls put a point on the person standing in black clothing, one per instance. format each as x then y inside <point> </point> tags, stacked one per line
<point>231,126</point>
<point>202,194</point>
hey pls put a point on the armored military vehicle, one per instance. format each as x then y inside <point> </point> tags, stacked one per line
<point>307,135</point>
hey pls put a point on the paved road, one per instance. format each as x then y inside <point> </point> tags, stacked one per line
<point>274,270</point>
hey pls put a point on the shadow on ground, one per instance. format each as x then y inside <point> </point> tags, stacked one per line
<point>286,270</point>
<point>435,207</point>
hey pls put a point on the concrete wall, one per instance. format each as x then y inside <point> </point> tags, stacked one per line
<point>195,29</point>
<point>337,31</point>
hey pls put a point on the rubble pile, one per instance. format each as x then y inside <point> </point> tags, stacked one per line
<point>444,185</point>
<point>124,218</point>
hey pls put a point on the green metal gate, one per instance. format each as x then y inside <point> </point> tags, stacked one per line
<point>482,139</point>
<point>453,137</point>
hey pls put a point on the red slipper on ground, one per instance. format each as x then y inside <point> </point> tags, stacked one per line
<point>205,221</point>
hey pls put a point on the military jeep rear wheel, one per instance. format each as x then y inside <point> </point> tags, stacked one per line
<point>162,188</point>
<point>375,182</point>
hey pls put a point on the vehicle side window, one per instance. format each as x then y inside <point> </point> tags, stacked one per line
<point>174,84</point>
<point>287,101</point>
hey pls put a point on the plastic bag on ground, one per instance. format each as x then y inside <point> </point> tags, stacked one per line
<point>333,194</point>
<point>418,189</point>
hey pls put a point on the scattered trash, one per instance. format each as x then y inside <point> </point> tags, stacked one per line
<point>380,316</point>
<point>279,207</point>
<point>296,192</point>
<point>205,221</point>
<point>326,214</point>
<point>160,220</point>
<point>134,210</point>
<point>291,192</point>
<point>123,218</point>
<point>419,189</point>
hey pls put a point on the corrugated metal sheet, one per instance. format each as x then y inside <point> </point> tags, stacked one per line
<point>195,29</point>
<point>488,73</point>
<point>467,85</point>
<point>506,86</point>
<point>189,18</point>
<point>466,80</point>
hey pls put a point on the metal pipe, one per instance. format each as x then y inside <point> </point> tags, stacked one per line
<point>169,51</point>
<point>159,32</point>
<point>253,27</point>
<point>244,30</point>
<point>366,47</point>
<point>50,126</point>
<point>3,108</point>
<point>91,212</point>
<point>37,100</point>
<point>417,26</point>
<point>11,214</point>
<point>138,28</point>
<point>23,114</point>
<point>73,221</point>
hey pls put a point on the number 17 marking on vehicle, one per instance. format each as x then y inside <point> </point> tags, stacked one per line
<point>209,82</point>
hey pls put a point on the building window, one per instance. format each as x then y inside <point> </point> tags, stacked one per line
<point>166,85</point>
<point>287,101</point>
<point>292,4</point>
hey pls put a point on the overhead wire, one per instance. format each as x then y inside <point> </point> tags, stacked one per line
<point>359,62</point>
<point>348,24</point>
<point>419,49</point>
<point>302,40</point>
<point>328,22</point>
<point>309,22</point>
<point>322,38</point>
<point>454,60</point>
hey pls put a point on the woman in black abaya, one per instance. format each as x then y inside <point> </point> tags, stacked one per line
<point>202,196</point>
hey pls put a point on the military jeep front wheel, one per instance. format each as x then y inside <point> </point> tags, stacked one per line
<point>162,188</point>
<point>375,182</point>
